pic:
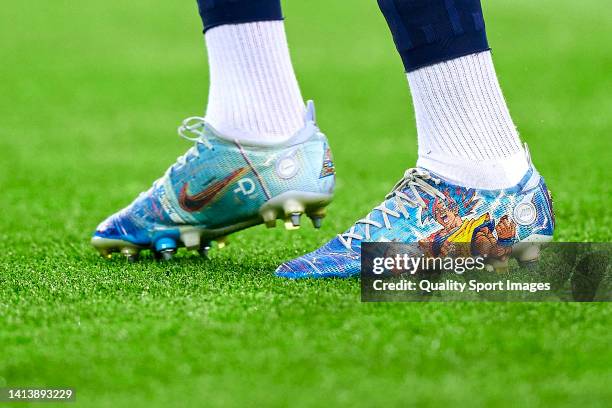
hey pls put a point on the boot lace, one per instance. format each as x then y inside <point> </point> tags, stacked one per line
<point>192,129</point>
<point>413,179</point>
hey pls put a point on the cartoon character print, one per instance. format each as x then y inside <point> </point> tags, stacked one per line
<point>328,163</point>
<point>462,233</point>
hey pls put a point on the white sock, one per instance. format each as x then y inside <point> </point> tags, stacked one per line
<point>254,95</point>
<point>465,131</point>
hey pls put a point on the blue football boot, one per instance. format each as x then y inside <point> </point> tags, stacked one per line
<point>426,210</point>
<point>221,186</point>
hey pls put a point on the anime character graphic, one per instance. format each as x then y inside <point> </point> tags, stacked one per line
<point>462,232</point>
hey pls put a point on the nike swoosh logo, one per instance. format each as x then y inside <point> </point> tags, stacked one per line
<point>192,203</point>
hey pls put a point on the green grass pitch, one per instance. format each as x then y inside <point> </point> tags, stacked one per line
<point>90,97</point>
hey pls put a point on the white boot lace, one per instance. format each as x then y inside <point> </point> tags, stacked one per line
<point>192,129</point>
<point>413,178</point>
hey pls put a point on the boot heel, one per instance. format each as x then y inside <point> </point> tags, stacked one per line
<point>528,256</point>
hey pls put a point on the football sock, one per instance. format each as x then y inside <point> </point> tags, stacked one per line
<point>465,131</point>
<point>464,128</point>
<point>254,95</point>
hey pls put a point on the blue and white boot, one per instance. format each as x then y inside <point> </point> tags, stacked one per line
<point>221,186</point>
<point>425,209</point>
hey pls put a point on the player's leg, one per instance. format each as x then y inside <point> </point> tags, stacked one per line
<point>474,182</point>
<point>465,131</point>
<point>254,94</point>
<point>256,156</point>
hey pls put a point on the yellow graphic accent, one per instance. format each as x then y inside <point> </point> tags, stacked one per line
<point>465,232</point>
